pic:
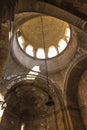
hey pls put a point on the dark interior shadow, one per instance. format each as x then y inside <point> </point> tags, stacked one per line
<point>9,123</point>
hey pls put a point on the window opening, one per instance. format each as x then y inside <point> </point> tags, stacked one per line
<point>40,53</point>
<point>1,110</point>
<point>61,45</point>
<point>67,34</point>
<point>29,50</point>
<point>52,52</point>
<point>22,126</point>
<point>33,73</point>
<point>21,41</point>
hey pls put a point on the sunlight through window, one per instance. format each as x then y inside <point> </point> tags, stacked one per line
<point>29,50</point>
<point>52,52</point>
<point>61,45</point>
<point>22,126</point>
<point>11,30</point>
<point>21,41</point>
<point>40,53</point>
<point>67,34</point>
<point>1,111</point>
<point>33,73</point>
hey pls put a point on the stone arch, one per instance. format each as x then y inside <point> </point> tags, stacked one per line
<point>73,77</point>
<point>82,97</point>
<point>22,77</point>
<point>61,61</point>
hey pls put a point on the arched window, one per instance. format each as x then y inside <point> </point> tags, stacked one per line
<point>34,72</point>
<point>67,34</point>
<point>61,45</point>
<point>22,126</point>
<point>21,41</point>
<point>40,53</point>
<point>52,52</point>
<point>1,110</point>
<point>29,50</point>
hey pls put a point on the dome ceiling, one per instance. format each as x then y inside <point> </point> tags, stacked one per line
<point>53,30</point>
<point>33,42</point>
<point>44,34</point>
<point>27,100</point>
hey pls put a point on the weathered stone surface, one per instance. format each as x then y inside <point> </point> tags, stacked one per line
<point>3,49</point>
